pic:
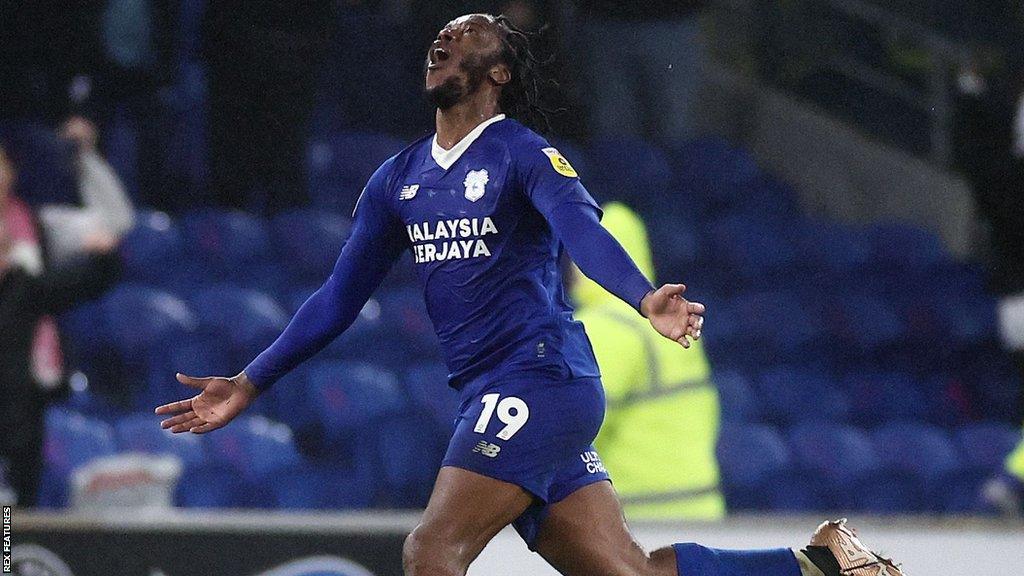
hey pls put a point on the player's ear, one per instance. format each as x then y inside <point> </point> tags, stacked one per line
<point>500,74</point>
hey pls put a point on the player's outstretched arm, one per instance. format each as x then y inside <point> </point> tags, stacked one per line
<point>673,316</point>
<point>219,401</point>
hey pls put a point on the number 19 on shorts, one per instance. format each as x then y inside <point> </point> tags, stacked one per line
<point>512,412</point>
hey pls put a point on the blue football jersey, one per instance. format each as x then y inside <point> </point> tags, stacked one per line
<point>473,219</point>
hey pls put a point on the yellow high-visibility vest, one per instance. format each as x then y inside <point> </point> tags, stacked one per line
<point>661,424</point>
<point>1015,462</point>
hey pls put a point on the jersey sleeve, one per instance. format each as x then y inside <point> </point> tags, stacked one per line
<point>550,181</point>
<point>374,244</point>
<point>555,190</point>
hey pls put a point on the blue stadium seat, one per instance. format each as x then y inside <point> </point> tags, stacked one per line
<point>404,316</point>
<point>774,327</point>
<point>318,487</point>
<point>630,169</point>
<point>229,243</point>
<point>215,485</point>
<point>200,354</point>
<point>310,241</point>
<point>411,450</point>
<point>902,248</point>
<point>739,401</point>
<point>752,247</point>
<point>842,250</point>
<point>139,318</point>
<point>984,446</point>
<point>847,472</point>
<point>247,320</point>
<point>846,316</point>
<point>141,432</point>
<point>716,170</point>
<point>252,446</point>
<point>427,386</point>
<point>792,395</point>
<point>920,451</point>
<point>346,397</point>
<point>154,251</point>
<point>751,457</point>
<point>880,397</point>
<point>340,165</point>
<point>71,440</point>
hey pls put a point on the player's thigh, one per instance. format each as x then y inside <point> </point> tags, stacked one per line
<point>586,535</point>
<point>465,511</point>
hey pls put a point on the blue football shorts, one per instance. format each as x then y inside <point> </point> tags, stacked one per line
<point>535,433</point>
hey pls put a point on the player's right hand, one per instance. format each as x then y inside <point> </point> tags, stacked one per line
<point>673,316</point>
<point>219,402</point>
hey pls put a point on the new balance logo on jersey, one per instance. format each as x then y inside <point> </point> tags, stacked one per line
<point>487,449</point>
<point>408,192</point>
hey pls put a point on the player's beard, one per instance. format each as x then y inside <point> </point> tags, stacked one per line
<point>459,87</point>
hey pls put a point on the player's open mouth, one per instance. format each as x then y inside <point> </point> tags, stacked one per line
<point>436,57</point>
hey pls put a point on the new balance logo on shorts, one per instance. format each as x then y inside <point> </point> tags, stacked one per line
<point>487,449</point>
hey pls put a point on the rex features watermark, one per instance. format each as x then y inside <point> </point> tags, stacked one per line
<point>7,540</point>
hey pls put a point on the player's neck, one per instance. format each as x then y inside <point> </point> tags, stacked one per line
<point>453,124</point>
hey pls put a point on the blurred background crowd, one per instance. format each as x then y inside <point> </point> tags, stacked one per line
<point>176,178</point>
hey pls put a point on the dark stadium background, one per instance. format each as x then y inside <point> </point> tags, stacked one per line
<point>843,195</point>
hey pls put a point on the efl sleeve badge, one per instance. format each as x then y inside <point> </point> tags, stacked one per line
<point>559,162</point>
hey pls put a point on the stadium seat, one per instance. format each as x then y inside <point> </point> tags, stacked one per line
<point>347,397</point>
<point>310,241</point>
<point>213,486</point>
<point>984,446</point>
<point>139,318</point>
<point>792,395</point>
<point>629,169</point>
<point>411,450</point>
<point>920,451</point>
<point>318,486</point>
<point>427,387</point>
<point>405,320</point>
<point>252,446</point>
<point>901,248</point>
<point>141,432</point>
<point>880,397</point>
<point>71,440</point>
<point>247,320</point>
<point>154,251</point>
<point>716,170</point>
<point>739,401</point>
<point>751,457</point>
<point>228,243</point>
<point>200,354</point>
<point>340,165</point>
<point>774,327</point>
<point>847,472</point>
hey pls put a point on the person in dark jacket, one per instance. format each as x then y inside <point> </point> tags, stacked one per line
<point>27,294</point>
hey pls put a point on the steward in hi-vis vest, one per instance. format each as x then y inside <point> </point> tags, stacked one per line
<point>661,425</point>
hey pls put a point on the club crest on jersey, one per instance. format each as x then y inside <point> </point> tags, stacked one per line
<point>476,182</point>
<point>408,192</point>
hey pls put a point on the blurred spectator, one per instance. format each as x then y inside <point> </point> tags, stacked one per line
<point>104,207</point>
<point>263,57</point>
<point>989,141</point>
<point>661,424</point>
<point>642,67</point>
<point>27,294</point>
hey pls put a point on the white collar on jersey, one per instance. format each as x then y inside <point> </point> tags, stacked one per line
<point>445,158</point>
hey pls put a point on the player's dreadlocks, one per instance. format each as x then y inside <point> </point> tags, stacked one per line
<point>522,97</point>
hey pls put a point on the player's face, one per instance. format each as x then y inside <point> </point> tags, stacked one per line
<point>460,58</point>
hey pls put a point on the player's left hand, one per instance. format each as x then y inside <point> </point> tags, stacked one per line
<point>673,316</point>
